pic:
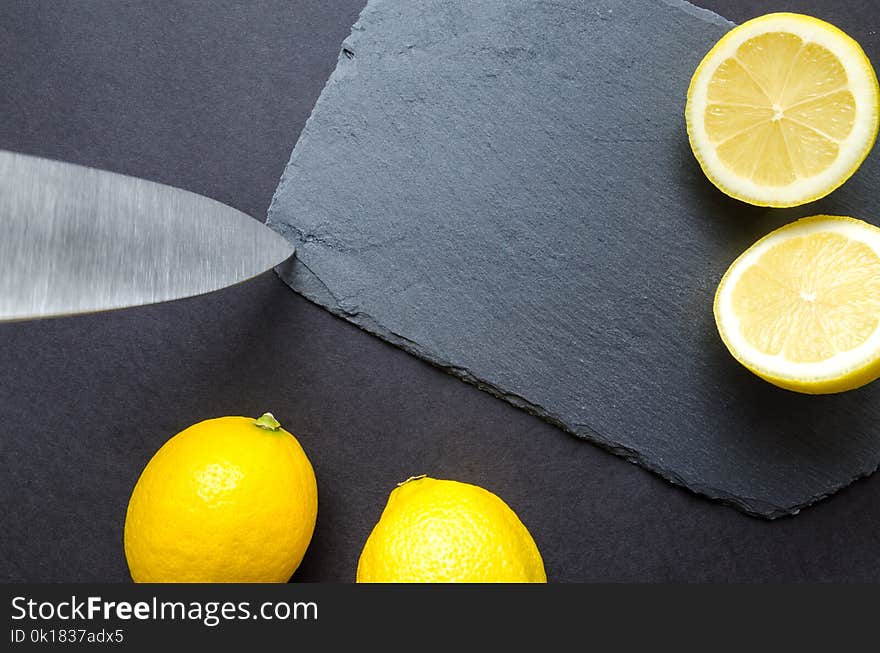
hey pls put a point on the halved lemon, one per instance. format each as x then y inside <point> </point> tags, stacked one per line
<point>782,110</point>
<point>801,307</point>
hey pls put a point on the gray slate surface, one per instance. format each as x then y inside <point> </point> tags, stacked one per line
<point>505,189</point>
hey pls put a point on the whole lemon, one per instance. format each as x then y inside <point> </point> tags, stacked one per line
<point>437,531</point>
<point>227,500</point>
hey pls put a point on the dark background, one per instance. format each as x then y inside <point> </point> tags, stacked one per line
<point>211,97</point>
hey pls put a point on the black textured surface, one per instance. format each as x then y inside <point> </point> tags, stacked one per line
<point>212,99</point>
<point>517,203</point>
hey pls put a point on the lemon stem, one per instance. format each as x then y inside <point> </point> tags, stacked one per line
<point>267,421</point>
<point>411,478</point>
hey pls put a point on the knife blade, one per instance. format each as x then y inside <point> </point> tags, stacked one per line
<point>75,239</point>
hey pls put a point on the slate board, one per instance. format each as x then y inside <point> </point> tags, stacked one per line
<point>505,188</point>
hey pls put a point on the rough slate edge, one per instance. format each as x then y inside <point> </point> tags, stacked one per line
<point>299,277</point>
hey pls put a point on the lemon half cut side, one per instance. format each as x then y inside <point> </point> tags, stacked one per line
<point>801,307</point>
<point>782,110</point>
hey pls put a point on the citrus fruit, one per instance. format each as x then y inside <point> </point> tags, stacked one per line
<point>782,110</point>
<point>801,307</point>
<point>435,531</point>
<point>231,499</point>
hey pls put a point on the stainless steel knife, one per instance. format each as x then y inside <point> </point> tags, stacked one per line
<point>75,239</point>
